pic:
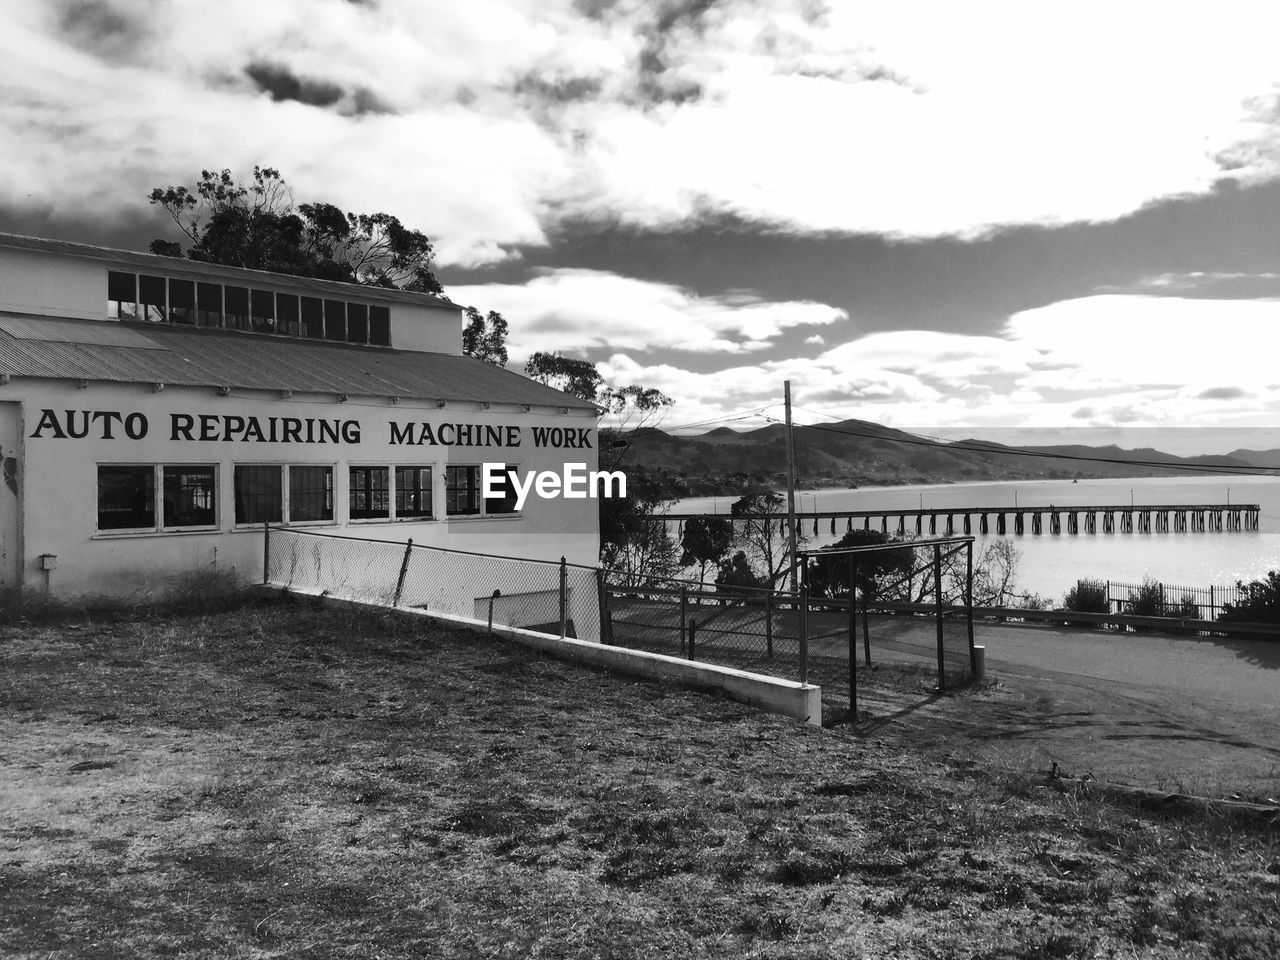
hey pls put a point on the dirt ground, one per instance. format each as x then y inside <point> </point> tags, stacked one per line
<point>287,781</point>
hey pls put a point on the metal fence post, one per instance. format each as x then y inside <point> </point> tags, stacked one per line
<point>266,551</point>
<point>684,615</point>
<point>937,605</point>
<point>693,637</point>
<point>404,568</point>
<point>768,623</point>
<point>494,596</point>
<point>804,631</point>
<point>968,607</point>
<point>853,639</point>
<point>602,594</point>
<point>564,597</point>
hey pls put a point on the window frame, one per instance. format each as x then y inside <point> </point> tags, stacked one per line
<point>432,473</point>
<point>286,495</point>
<point>483,513</point>
<point>352,467</point>
<point>159,524</point>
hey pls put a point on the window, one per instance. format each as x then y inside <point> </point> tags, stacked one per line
<point>259,494</point>
<point>209,304</point>
<point>413,491</point>
<point>126,498</point>
<point>462,490</point>
<point>263,311</point>
<point>335,320</point>
<point>182,301</point>
<point>151,296</point>
<point>310,493</point>
<point>236,303</point>
<point>122,296</point>
<point>369,494</point>
<point>380,326</point>
<point>190,496</point>
<point>506,501</point>
<point>287,314</point>
<point>357,323</point>
<point>312,317</point>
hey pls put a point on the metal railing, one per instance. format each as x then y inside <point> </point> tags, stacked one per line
<point>1198,603</point>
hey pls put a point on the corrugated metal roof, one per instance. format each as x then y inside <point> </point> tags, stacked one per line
<point>195,269</point>
<point>62,349</point>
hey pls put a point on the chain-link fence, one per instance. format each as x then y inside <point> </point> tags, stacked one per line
<point>544,595</point>
<point>906,604</point>
<point>910,607</point>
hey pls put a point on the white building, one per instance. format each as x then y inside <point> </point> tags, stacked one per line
<point>155,412</point>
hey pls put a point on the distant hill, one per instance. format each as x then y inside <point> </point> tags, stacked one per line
<point>1259,458</point>
<point>861,453</point>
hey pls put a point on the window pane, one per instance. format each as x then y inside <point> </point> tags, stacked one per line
<point>310,493</point>
<point>126,498</point>
<point>209,307</point>
<point>357,323</point>
<point>380,326</point>
<point>189,496</point>
<point>258,494</point>
<point>287,314</point>
<point>151,296</point>
<point>312,317</point>
<point>369,499</point>
<point>237,307</point>
<point>462,490</point>
<point>122,296</point>
<point>413,491</point>
<point>335,320</point>
<point>264,311</point>
<point>182,301</point>
<point>506,502</point>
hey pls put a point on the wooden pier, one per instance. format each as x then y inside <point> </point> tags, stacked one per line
<point>1130,518</point>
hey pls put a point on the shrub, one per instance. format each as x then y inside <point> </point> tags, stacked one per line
<point>1087,596</point>
<point>1259,601</point>
<point>1148,601</point>
<point>1186,608</point>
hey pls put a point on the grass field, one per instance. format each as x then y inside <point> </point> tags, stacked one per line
<point>283,780</point>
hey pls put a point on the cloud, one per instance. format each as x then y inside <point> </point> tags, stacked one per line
<point>487,123</point>
<point>815,338</point>
<point>1102,363</point>
<point>590,310</point>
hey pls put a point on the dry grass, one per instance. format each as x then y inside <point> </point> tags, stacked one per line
<point>283,780</point>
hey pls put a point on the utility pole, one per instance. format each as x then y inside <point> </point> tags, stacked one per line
<point>791,489</point>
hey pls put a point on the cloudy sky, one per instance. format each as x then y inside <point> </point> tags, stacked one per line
<point>960,218</point>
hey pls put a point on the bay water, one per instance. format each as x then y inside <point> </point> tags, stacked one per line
<point>1050,564</point>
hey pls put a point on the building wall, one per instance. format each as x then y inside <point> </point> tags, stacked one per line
<point>63,286</point>
<point>57,476</point>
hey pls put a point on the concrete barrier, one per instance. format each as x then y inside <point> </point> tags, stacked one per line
<point>800,701</point>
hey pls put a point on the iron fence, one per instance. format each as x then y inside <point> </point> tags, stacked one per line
<point>1158,599</point>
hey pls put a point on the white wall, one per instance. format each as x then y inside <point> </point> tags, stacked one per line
<point>52,286</point>
<point>59,481</point>
<point>427,328</point>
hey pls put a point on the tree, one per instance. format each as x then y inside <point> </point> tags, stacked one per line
<point>876,570</point>
<point>485,337</point>
<point>736,574</point>
<point>258,226</point>
<point>1259,601</point>
<point>762,531</point>
<point>635,543</point>
<point>566,374</point>
<point>706,540</point>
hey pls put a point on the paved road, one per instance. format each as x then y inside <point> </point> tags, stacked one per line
<point>1240,671</point>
